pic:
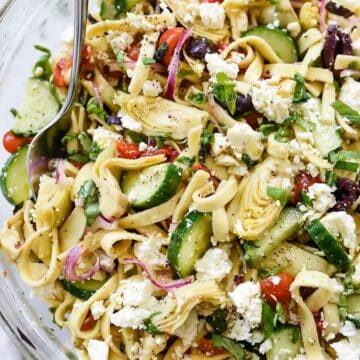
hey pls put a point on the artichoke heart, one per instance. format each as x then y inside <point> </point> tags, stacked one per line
<point>180,9</point>
<point>256,210</point>
<point>159,116</point>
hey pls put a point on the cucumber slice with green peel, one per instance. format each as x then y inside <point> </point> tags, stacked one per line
<point>14,179</point>
<point>286,227</point>
<point>39,107</point>
<point>189,242</point>
<point>328,244</point>
<point>151,186</point>
<point>282,44</point>
<point>82,289</point>
<point>114,9</point>
<point>286,343</point>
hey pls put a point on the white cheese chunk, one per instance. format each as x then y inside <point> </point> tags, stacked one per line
<point>149,252</point>
<point>322,197</point>
<point>104,138</point>
<point>219,268</point>
<point>98,350</point>
<point>121,42</point>
<point>221,142</point>
<point>97,309</point>
<point>212,15</point>
<point>152,88</point>
<point>348,348</point>
<point>129,123</point>
<point>215,65</point>
<point>136,292</point>
<point>130,317</point>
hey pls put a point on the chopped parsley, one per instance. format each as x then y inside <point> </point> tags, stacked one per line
<point>224,91</point>
<point>149,326</point>
<point>300,94</point>
<point>346,112</point>
<point>42,68</point>
<point>277,194</point>
<point>234,348</point>
<point>90,194</point>
<point>198,98</point>
<point>148,61</point>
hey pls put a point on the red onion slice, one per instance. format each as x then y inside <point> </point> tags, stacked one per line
<point>174,64</point>
<point>322,14</point>
<point>102,222</point>
<point>168,287</point>
<point>97,94</point>
<point>71,262</point>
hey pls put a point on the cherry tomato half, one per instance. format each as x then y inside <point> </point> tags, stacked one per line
<point>88,61</point>
<point>197,167</point>
<point>162,151</point>
<point>134,51</point>
<point>277,288</point>
<point>12,143</point>
<point>88,323</point>
<point>302,182</point>
<point>171,38</point>
<point>60,69</point>
<point>207,347</point>
<point>128,151</point>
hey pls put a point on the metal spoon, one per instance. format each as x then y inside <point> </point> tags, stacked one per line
<point>46,144</point>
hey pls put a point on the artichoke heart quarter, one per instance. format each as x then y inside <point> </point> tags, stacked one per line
<point>159,116</point>
<point>256,210</point>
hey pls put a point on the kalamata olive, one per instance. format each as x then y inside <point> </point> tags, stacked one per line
<point>337,9</point>
<point>346,194</point>
<point>243,104</point>
<point>199,47</point>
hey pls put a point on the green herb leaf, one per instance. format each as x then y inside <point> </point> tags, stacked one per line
<point>267,319</point>
<point>282,134</point>
<point>148,61</point>
<point>121,6</point>
<point>347,112</point>
<point>248,160</point>
<point>161,50</point>
<point>95,150</point>
<point>300,121</point>
<point>233,347</point>
<point>14,112</point>
<point>183,73</point>
<point>90,193</point>
<point>93,107</point>
<point>207,136</point>
<point>198,98</point>
<point>277,194</point>
<point>68,137</point>
<point>267,129</point>
<point>305,198</point>
<point>218,320</point>
<point>149,326</point>
<point>137,138</point>
<point>339,158</point>
<point>186,160</point>
<point>300,94</point>
<point>266,272</point>
<point>85,141</point>
<point>354,319</point>
<point>224,91</point>
<point>120,56</point>
<point>42,63</point>
<point>78,157</point>
<point>330,178</point>
<point>280,314</point>
<point>296,336</point>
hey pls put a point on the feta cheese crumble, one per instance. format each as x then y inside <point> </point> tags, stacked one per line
<point>214,265</point>
<point>348,348</point>
<point>212,15</point>
<point>136,292</point>
<point>322,197</point>
<point>149,252</point>
<point>98,350</point>
<point>267,100</point>
<point>247,299</point>
<point>104,138</point>
<point>130,317</point>
<point>152,88</point>
<point>220,143</point>
<point>97,309</point>
<point>129,123</point>
<point>120,42</point>
<point>215,65</point>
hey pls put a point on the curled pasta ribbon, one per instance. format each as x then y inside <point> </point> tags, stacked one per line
<point>238,21</point>
<point>178,7</point>
<point>81,309</point>
<point>153,215</point>
<point>198,180</point>
<point>224,193</point>
<point>321,281</point>
<point>177,305</point>
<point>36,276</point>
<point>220,225</point>
<point>157,22</point>
<point>254,71</point>
<point>253,211</point>
<point>256,42</point>
<point>63,309</point>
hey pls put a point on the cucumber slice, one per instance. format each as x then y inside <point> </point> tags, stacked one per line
<point>283,45</point>
<point>353,304</point>
<point>326,138</point>
<point>288,224</point>
<point>113,9</point>
<point>14,179</point>
<point>189,242</point>
<point>328,244</point>
<point>39,107</point>
<point>286,343</point>
<point>82,289</point>
<point>151,186</point>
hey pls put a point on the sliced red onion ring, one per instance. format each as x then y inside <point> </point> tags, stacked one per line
<point>71,262</point>
<point>174,64</point>
<point>60,176</point>
<point>107,263</point>
<point>168,287</point>
<point>97,95</point>
<point>322,14</point>
<point>102,222</point>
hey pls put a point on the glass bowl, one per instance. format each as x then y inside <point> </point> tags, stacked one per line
<point>24,23</point>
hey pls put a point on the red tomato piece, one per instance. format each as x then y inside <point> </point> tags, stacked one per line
<point>302,182</point>
<point>197,167</point>
<point>12,142</point>
<point>128,151</point>
<point>88,61</point>
<point>276,288</point>
<point>252,119</point>
<point>174,154</point>
<point>207,347</point>
<point>60,69</point>
<point>171,38</point>
<point>88,323</point>
<point>318,320</point>
<point>134,51</point>
<point>162,151</point>
<point>77,164</point>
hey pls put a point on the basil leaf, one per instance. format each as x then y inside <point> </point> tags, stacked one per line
<point>300,94</point>
<point>148,61</point>
<point>305,198</point>
<point>160,52</point>
<point>186,160</point>
<point>224,91</point>
<point>68,137</point>
<point>233,347</point>
<point>149,326</point>
<point>267,129</point>
<point>84,141</point>
<point>207,136</point>
<point>218,320</point>
<point>198,98</point>
<point>95,150</point>
<point>347,112</point>
<point>93,107</point>
<point>279,314</point>
<point>267,319</point>
<point>90,194</point>
<point>330,178</point>
<point>78,157</point>
<point>43,63</point>
<point>277,194</point>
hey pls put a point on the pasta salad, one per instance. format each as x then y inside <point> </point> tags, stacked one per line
<point>207,201</point>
